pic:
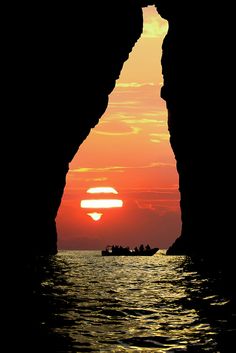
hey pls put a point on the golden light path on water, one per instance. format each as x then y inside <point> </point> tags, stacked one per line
<point>156,304</point>
<point>100,203</point>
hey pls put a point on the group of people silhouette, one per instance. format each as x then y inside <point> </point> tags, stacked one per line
<point>120,249</point>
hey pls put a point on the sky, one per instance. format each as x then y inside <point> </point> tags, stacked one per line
<point>128,150</point>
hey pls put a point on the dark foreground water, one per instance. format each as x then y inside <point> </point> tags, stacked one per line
<point>79,301</point>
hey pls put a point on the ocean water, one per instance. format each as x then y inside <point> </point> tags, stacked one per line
<point>82,302</point>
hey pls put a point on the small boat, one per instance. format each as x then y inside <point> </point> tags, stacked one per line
<point>125,251</point>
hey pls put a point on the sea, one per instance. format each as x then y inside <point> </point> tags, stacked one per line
<point>80,301</point>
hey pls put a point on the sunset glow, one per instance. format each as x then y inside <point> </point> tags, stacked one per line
<point>127,153</point>
<point>101,203</point>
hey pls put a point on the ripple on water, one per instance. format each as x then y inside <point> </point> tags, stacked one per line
<point>117,304</point>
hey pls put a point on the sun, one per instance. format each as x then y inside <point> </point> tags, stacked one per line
<point>95,216</point>
<point>102,189</point>
<point>103,198</point>
<point>101,203</point>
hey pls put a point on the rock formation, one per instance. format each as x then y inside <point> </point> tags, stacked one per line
<point>60,67</point>
<point>63,62</point>
<point>196,68</point>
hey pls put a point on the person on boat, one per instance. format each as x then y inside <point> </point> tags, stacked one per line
<point>141,248</point>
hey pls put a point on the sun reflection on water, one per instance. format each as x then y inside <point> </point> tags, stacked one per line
<point>147,304</point>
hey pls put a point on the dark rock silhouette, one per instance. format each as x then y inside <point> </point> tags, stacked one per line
<point>64,61</point>
<point>196,68</point>
<point>60,66</point>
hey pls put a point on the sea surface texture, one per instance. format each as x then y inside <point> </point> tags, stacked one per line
<point>84,302</point>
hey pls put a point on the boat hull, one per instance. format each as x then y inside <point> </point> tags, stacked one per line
<point>150,252</point>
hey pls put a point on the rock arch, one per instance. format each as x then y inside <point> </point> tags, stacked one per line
<point>60,69</point>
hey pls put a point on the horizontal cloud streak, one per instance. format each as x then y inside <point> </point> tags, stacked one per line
<point>153,117</point>
<point>136,97</point>
<point>128,102</point>
<point>133,84</point>
<point>119,168</point>
<point>159,137</point>
<point>134,131</point>
<point>155,200</point>
<point>139,121</point>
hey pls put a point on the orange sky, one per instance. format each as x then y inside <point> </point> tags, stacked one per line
<point>129,150</point>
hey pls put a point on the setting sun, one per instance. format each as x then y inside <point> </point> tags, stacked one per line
<point>102,189</point>
<point>101,203</point>
<point>95,216</point>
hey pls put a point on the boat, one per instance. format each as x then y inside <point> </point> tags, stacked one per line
<point>125,251</point>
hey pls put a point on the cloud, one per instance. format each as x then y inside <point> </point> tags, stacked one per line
<point>154,27</point>
<point>157,200</point>
<point>140,115</point>
<point>97,169</point>
<point>134,131</point>
<point>133,84</point>
<point>128,124</point>
<point>154,192</point>
<point>138,97</point>
<point>145,205</point>
<point>152,195</point>
<point>120,169</point>
<point>153,116</point>
<point>146,118</point>
<point>128,102</point>
<point>95,179</point>
<point>159,137</point>
<point>162,113</point>
<point>159,206</point>
<point>139,121</point>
